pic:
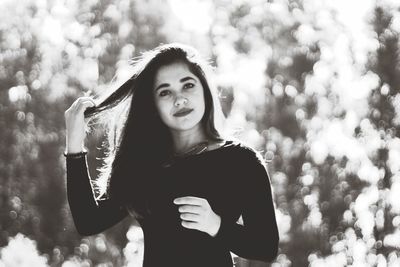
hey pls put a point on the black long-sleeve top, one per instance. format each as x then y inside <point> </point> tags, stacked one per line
<point>235,183</point>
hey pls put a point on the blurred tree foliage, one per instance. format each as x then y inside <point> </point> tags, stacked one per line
<point>325,111</point>
<point>386,63</point>
<point>40,77</point>
<point>334,210</point>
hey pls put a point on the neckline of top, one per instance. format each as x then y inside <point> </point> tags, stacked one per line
<point>226,144</point>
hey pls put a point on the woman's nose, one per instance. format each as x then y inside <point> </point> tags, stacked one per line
<point>180,100</point>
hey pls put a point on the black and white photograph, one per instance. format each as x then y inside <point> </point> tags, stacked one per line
<point>199,133</point>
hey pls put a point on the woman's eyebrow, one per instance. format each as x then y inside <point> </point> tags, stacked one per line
<point>167,84</point>
<point>161,86</point>
<point>186,78</point>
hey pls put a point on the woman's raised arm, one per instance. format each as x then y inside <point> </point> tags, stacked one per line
<point>90,216</point>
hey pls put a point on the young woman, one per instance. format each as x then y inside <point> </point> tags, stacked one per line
<point>171,168</point>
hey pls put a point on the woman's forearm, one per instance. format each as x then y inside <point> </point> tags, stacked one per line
<point>90,216</point>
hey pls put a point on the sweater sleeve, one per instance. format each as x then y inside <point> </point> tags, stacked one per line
<point>90,216</point>
<point>258,237</point>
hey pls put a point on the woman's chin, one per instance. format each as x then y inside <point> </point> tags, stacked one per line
<point>184,125</point>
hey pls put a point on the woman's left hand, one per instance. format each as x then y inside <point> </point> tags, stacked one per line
<point>196,213</point>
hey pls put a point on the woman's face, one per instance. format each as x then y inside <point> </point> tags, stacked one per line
<point>179,97</point>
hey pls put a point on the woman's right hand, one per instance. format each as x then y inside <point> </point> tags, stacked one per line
<point>76,125</point>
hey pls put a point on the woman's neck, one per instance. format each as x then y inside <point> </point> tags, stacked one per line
<point>184,140</point>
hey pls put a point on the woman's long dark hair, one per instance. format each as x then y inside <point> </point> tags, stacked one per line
<point>137,140</point>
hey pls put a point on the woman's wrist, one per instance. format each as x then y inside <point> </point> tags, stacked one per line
<point>75,155</point>
<point>75,151</point>
<point>73,147</point>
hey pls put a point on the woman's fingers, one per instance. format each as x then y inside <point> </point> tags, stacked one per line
<point>196,213</point>
<point>191,204</point>
<point>190,217</point>
<point>191,225</point>
<point>85,98</point>
<point>191,209</point>
<point>83,105</point>
<point>190,200</point>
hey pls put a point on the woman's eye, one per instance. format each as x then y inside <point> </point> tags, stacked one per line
<point>188,85</point>
<point>164,93</point>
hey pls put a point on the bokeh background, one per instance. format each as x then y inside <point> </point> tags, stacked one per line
<point>314,85</point>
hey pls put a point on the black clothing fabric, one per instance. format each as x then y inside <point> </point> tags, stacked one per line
<point>235,183</point>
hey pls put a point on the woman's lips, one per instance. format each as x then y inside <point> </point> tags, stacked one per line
<point>183,112</point>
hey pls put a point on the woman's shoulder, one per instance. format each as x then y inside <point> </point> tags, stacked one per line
<point>244,151</point>
<point>246,164</point>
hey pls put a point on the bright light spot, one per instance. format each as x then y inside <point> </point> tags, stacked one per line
<point>339,246</point>
<point>12,40</point>
<point>300,114</point>
<point>392,240</point>
<point>88,73</point>
<point>52,31</point>
<point>58,86</point>
<point>396,221</point>
<point>75,31</point>
<point>361,88</point>
<point>315,218</point>
<point>290,90</point>
<point>18,93</point>
<point>277,89</point>
<point>381,261</point>
<point>350,122</point>
<point>385,89</point>
<point>394,155</point>
<point>100,244</point>
<point>284,222</point>
<point>305,34</point>
<point>396,105</point>
<point>134,250</point>
<point>21,251</point>
<point>394,194</point>
<point>365,219</point>
<point>379,219</point>
<point>194,15</point>
<point>124,29</point>
<point>368,172</point>
<point>359,251</point>
<point>112,13</point>
<point>282,261</point>
<point>36,84</point>
<point>307,180</point>
<point>348,216</point>
<point>335,260</point>
<point>135,234</point>
<point>253,137</point>
<point>393,260</point>
<point>319,151</point>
